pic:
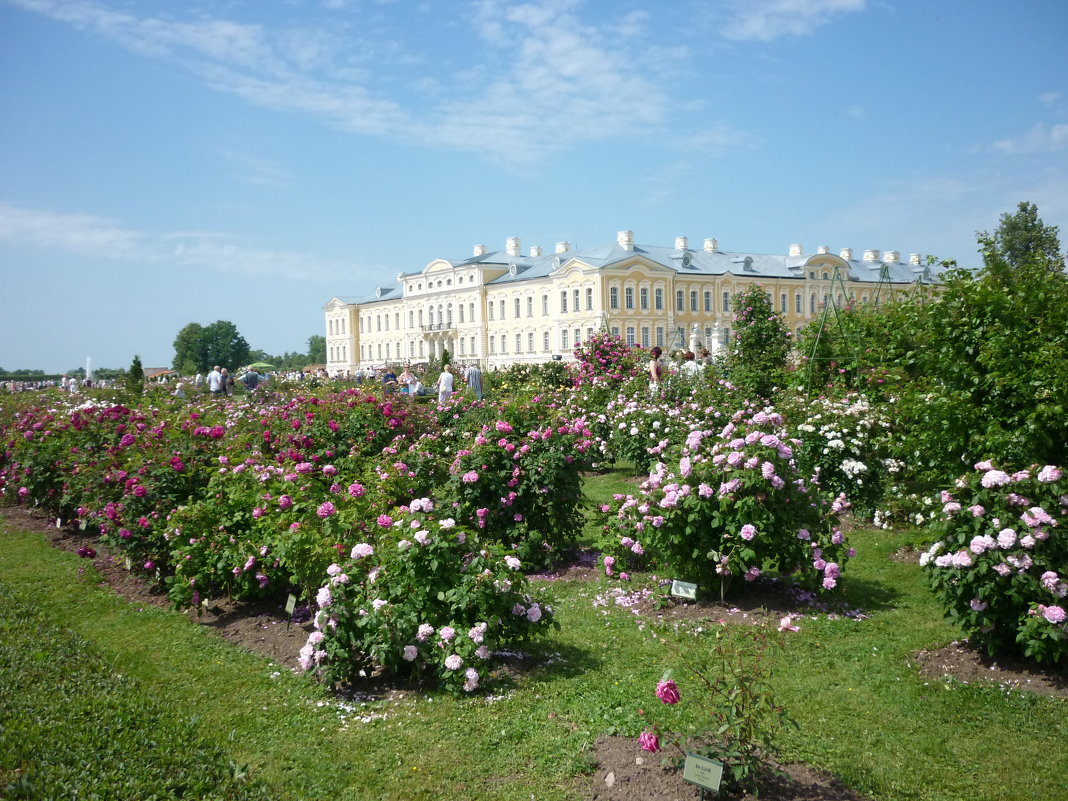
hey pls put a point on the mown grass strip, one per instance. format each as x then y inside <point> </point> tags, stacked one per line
<point>865,715</point>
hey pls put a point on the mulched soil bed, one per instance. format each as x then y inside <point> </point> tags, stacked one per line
<point>623,772</point>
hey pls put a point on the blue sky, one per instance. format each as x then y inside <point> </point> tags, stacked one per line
<point>163,163</point>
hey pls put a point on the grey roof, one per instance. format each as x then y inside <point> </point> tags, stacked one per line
<point>682,262</point>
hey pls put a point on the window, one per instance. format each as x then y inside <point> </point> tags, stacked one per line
<point>630,334</point>
<point>645,336</point>
<point>812,303</point>
<point>378,322</point>
<point>502,312</point>
<point>545,341</point>
<point>460,308</point>
<point>680,300</point>
<point>589,334</point>
<point>461,346</point>
<point>471,311</point>
<point>530,342</point>
<point>615,330</point>
<point>493,344</point>
<point>518,343</point>
<point>387,321</point>
<point>797,303</point>
<point>387,351</point>
<point>628,298</point>
<point>825,275</point>
<point>660,336</point>
<point>708,301</point>
<point>489,306</point>
<point>420,348</point>
<point>589,298</point>
<point>420,318</point>
<point>530,306</point>
<point>575,299</point>
<point>693,300</point>
<point>379,350</point>
<point>782,303</point>
<point>517,308</point>
<point>576,338</point>
<point>563,302</point>
<point>411,319</point>
<point>613,297</point>
<point>658,299</point>
<point>396,321</point>
<point>361,325</point>
<point>363,353</point>
<point>448,316</point>
<point>544,305</point>
<point>563,339</point>
<point>726,301</point>
<point>643,298</point>
<point>473,351</point>
<point>330,327</point>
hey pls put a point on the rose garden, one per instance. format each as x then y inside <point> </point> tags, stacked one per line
<point>493,596</point>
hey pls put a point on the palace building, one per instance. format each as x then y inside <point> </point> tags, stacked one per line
<point>501,307</point>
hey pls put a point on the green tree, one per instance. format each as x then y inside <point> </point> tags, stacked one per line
<point>224,346</point>
<point>135,378</point>
<point>756,356</point>
<point>317,349</point>
<point>1022,238</point>
<point>197,348</point>
<point>190,351</point>
<point>990,355</point>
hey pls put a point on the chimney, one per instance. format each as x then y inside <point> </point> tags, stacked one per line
<point>711,246</point>
<point>625,239</point>
<point>563,247</point>
<point>892,256</point>
<point>481,250</point>
<point>846,254</point>
<point>871,255</point>
<point>535,250</point>
<point>796,250</point>
<point>512,246</point>
<point>914,258</point>
<point>681,243</point>
<point>823,250</point>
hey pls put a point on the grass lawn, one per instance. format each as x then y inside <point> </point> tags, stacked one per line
<point>126,701</point>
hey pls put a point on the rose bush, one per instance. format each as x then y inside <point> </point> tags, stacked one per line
<point>1000,563</point>
<point>422,596</point>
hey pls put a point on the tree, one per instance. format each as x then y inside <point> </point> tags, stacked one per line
<point>225,346</point>
<point>135,378</point>
<point>190,354</point>
<point>1022,238</point>
<point>317,349</point>
<point>990,359</point>
<point>197,348</point>
<point>756,355</point>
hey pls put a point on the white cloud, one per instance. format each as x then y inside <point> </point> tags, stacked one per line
<point>90,236</point>
<point>765,20</point>
<point>547,80</point>
<point>1040,139</point>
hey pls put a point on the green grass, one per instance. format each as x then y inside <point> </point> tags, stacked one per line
<point>94,687</point>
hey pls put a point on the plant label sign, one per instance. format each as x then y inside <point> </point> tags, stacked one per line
<point>291,604</point>
<point>684,589</point>
<point>702,771</point>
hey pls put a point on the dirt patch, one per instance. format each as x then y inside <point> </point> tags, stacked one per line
<point>963,662</point>
<point>626,773</point>
<point>262,627</point>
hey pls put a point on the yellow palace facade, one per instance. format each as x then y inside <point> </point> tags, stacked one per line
<point>502,307</point>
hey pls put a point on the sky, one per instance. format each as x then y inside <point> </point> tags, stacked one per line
<point>163,163</point>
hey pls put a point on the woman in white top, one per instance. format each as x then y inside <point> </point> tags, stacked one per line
<point>445,384</point>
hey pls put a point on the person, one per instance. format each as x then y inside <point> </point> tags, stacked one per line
<point>689,367</point>
<point>179,391</point>
<point>198,382</point>
<point>389,380</point>
<point>474,380</point>
<point>409,383</point>
<point>656,369</point>
<point>227,383</point>
<point>251,380</point>
<point>445,384</point>
<point>215,381</point>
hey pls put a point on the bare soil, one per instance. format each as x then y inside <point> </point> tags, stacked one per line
<point>623,772</point>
